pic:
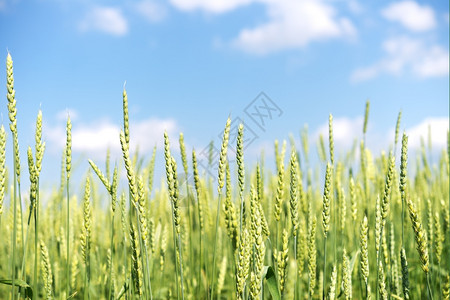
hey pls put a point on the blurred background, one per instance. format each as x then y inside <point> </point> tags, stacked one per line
<point>275,65</point>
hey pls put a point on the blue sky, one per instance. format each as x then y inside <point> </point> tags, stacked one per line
<point>189,64</point>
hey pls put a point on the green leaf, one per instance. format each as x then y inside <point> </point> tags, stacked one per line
<point>271,282</point>
<point>124,289</point>
<point>352,265</point>
<point>353,261</point>
<point>73,295</point>
<point>20,283</point>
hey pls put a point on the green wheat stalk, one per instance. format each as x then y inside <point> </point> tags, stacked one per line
<point>220,184</point>
<point>68,169</point>
<point>12,112</point>
<point>326,219</point>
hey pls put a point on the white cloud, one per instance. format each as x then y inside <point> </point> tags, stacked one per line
<point>355,7</point>
<point>345,131</point>
<point>94,139</point>
<point>406,55</point>
<point>439,128</point>
<point>151,10</point>
<point>148,133</point>
<point>211,6</point>
<point>290,24</point>
<point>411,15</point>
<point>105,19</point>
<point>294,24</point>
<point>435,62</point>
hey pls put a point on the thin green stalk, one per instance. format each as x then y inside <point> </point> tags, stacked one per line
<point>24,240</point>
<point>309,293</point>
<point>296,262</point>
<point>241,196</point>
<point>143,249</point>
<point>24,244</point>
<point>161,275</point>
<point>125,258</point>
<point>335,212</point>
<point>367,289</point>
<point>87,256</point>
<point>191,249</point>
<point>430,295</point>
<point>14,232</point>
<point>25,247</point>
<point>439,275</point>
<point>148,272</point>
<point>241,212</point>
<point>403,217</point>
<point>175,252</point>
<point>379,255</point>
<point>86,289</point>
<point>68,243</point>
<point>200,216</point>
<point>233,265</point>
<point>275,259</point>
<point>88,276</point>
<point>378,263</point>
<point>448,170</point>
<point>21,212</point>
<point>33,170</point>
<point>215,246</point>
<point>176,218</point>
<point>324,265</point>
<point>221,181</point>
<point>36,231</point>
<point>181,266</point>
<point>112,251</point>
<point>172,183</point>
<point>200,261</point>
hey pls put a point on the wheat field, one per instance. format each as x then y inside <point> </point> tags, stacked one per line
<point>362,225</point>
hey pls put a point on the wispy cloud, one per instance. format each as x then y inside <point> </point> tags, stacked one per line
<point>411,15</point>
<point>294,24</point>
<point>108,20</point>
<point>355,7</point>
<point>407,55</point>
<point>95,138</point>
<point>290,24</point>
<point>210,6</point>
<point>152,10</point>
<point>346,130</point>
<point>438,128</point>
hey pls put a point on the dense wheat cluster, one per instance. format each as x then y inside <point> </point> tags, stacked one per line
<point>361,225</point>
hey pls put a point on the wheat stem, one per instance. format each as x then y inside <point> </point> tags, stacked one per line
<point>221,175</point>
